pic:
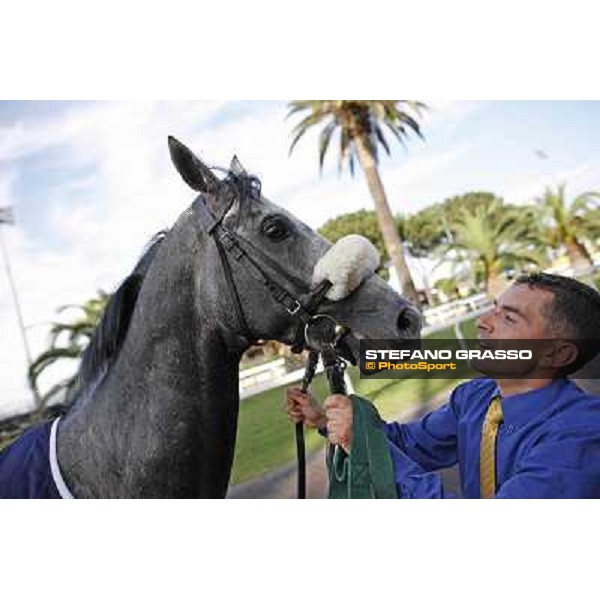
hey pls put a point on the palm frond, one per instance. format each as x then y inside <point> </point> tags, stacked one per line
<point>397,134</point>
<point>411,123</point>
<point>44,360</point>
<point>324,139</point>
<point>563,224</point>
<point>346,151</point>
<point>356,118</point>
<point>351,163</point>
<point>585,202</point>
<point>66,384</point>
<point>382,140</point>
<point>297,106</point>
<point>68,340</point>
<point>301,128</point>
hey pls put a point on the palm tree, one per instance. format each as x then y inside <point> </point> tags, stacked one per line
<point>568,226</point>
<point>360,124</point>
<point>68,340</point>
<point>494,237</point>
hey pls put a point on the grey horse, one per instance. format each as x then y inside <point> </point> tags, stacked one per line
<point>156,405</point>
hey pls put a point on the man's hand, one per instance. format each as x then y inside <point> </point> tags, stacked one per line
<point>302,408</point>
<point>338,410</point>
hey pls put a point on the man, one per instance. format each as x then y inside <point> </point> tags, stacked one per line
<point>534,434</point>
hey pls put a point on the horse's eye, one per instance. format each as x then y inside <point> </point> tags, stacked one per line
<point>275,228</point>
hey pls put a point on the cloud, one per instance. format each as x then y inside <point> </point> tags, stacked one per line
<point>581,177</point>
<point>130,190</point>
<point>115,187</point>
<point>424,168</point>
<point>102,220</point>
<point>44,281</point>
<point>449,114</point>
<point>324,199</point>
<point>7,182</point>
<point>133,191</point>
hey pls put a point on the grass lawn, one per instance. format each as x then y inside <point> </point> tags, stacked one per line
<point>266,438</point>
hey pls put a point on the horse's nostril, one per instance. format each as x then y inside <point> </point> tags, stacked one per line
<point>409,322</point>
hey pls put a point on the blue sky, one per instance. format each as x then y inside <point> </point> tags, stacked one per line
<point>90,182</point>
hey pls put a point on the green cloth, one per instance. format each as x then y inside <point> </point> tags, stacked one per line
<point>368,471</point>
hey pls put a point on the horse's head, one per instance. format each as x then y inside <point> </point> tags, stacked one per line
<point>260,275</point>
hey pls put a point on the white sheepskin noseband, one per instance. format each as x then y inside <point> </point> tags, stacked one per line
<point>346,265</point>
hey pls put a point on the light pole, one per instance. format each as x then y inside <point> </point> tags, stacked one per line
<point>7,218</point>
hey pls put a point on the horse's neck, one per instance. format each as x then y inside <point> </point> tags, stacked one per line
<point>163,422</point>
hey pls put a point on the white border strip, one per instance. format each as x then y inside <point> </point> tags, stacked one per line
<point>61,486</point>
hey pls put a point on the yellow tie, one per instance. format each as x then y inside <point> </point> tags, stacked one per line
<point>487,453</point>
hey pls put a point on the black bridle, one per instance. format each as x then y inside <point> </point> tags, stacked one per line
<point>229,246</point>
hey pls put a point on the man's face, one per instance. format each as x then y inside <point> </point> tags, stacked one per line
<point>517,314</point>
<point>515,322</point>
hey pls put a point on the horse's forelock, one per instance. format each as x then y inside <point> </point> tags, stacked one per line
<point>244,187</point>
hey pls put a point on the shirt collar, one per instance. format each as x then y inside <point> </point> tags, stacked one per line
<point>521,408</point>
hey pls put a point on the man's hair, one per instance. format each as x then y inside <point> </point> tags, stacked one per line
<point>573,313</point>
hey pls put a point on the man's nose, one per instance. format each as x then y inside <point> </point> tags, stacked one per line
<point>484,322</point>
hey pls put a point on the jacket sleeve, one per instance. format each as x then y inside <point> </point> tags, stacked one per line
<point>424,446</point>
<point>564,466</point>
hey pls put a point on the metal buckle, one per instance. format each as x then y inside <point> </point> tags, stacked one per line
<point>227,239</point>
<point>321,331</point>
<point>295,308</point>
<point>230,244</point>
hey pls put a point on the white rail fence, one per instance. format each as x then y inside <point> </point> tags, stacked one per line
<point>261,378</point>
<point>446,314</point>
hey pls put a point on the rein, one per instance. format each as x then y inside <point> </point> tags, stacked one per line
<point>229,247</point>
<point>321,335</point>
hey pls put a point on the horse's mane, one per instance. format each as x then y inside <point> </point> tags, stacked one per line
<point>112,329</point>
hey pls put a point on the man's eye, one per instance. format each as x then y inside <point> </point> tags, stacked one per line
<point>508,318</point>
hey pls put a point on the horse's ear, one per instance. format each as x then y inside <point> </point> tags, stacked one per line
<point>194,172</point>
<point>236,166</point>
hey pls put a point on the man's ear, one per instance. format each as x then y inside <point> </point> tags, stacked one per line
<point>193,171</point>
<point>561,354</point>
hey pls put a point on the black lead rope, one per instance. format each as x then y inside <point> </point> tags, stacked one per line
<point>301,454</point>
<point>309,373</point>
<point>321,335</point>
<point>334,368</point>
